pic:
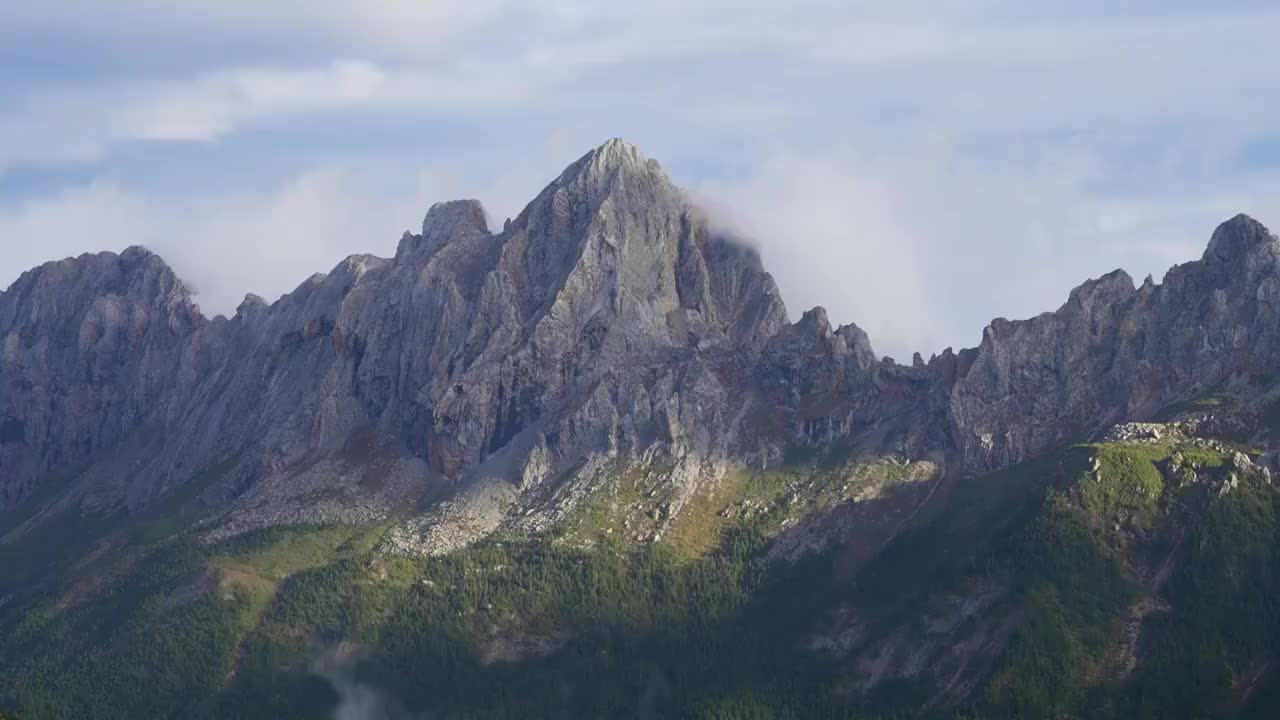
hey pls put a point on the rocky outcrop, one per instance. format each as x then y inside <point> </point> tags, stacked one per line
<point>606,326</point>
<point>1114,351</point>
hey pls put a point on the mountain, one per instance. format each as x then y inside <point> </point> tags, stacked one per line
<point>586,466</point>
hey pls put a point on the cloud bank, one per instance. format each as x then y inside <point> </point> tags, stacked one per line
<point>917,168</point>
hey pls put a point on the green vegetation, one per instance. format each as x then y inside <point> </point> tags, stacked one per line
<point>151,638</point>
<point>586,622</point>
<point>639,508</point>
<point>1223,628</point>
<point>1199,456</point>
<point>233,630</point>
<point>1075,593</point>
<point>1212,627</point>
<point>1125,489</point>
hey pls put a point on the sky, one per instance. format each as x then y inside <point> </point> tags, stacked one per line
<point>918,168</point>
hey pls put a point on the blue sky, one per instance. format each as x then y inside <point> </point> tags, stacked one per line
<point>915,167</point>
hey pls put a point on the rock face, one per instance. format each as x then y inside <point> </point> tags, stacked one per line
<point>605,320</point>
<point>606,325</point>
<point>1114,351</point>
<point>91,351</point>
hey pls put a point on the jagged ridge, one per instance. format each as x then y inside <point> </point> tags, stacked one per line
<point>606,325</point>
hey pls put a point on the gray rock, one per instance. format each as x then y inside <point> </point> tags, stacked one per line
<point>1113,351</point>
<point>606,327</point>
<point>606,319</point>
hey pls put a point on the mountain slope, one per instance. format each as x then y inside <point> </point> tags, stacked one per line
<point>1133,577</point>
<point>542,464</point>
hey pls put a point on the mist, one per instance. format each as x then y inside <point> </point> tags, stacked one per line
<point>356,700</point>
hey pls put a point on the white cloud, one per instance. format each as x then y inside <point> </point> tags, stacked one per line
<point>226,244</point>
<point>395,28</point>
<point>916,167</point>
<point>922,247</point>
<point>222,245</point>
<point>832,236</point>
<point>956,65</point>
<point>83,124</point>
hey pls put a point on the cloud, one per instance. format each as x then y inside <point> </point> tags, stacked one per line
<point>83,124</point>
<point>923,246</point>
<point>920,247</point>
<point>393,28</point>
<point>223,245</point>
<point>916,167</point>
<point>832,238</point>
<point>356,700</point>
<point>971,67</point>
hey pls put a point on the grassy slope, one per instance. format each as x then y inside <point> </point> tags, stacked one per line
<point>698,625</point>
<point>1099,549</point>
<point>232,630</point>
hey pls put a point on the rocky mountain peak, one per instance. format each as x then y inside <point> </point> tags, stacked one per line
<point>1101,293</point>
<point>136,275</point>
<point>615,169</point>
<point>446,222</point>
<point>251,303</point>
<point>138,253</point>
<point>614,155</point>
<point>1236,238</point>
<point>814,322</point>
<point>612,244</point>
